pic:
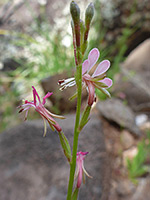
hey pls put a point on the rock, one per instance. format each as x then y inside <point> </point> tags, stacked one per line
<point>114,110</point>
<point>139,58</point>
<point>141,119</point>
<point>33,167</point>
<point>142,192</point>
<point>129,154</point>
<point>60,99</point>
<point>125,188</point>
<point>146,126</point>
<point>127,139</point>
<point>9,64</point>
<point>134,78</point>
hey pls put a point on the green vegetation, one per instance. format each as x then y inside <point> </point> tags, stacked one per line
<point>140,165</point>
<point>43,54</point>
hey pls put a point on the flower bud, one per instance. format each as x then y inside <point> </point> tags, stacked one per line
<point>75,12</point>
<point>89,13</point>
<point>82,30</point>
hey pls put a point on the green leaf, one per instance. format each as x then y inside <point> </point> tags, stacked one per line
<point>75,194</point>
<point>84,118</point>
<point>65,145</point>
<point>73,97</point>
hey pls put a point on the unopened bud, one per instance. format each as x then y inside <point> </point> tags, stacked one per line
<point>82,30</point>
<point>75,12</point>
<point>82,26</point>
<point>72,25</point>
<point>89,13</point>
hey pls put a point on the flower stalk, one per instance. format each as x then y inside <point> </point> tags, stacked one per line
<point>84,78</point>
<point>76,131</point>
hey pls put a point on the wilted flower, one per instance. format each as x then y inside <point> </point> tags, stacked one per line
<point>39,107</point>
<point>80,170</point>
<point>96,80</point>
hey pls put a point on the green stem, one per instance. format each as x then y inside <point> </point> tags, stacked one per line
<point>76,132</point>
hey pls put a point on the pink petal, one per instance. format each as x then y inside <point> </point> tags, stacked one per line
<point>57,127</point>
<point>82,153</point>
<point>91,90</point>
<point>101,68</point>
<point>85,66</point>
<point>34,95</point>
<point>46,96</point>
<point>107,81</point>
<point>93,57</point>
<point>79,181</point>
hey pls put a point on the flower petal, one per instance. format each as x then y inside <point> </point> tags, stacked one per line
<point>79,181</point>
<point>57,127</point>
<point>82,153</point>
<point>54,115</point>
<point>34,95</point>
<point>86,172</point>
<point>45,127</point>
<point>91,90</point>
<point>107,81</point>
<point>101,68</point>
<point>46,96</point>
<point>93,57</point>
<point>85,66</point>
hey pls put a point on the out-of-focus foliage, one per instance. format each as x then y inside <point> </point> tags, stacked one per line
<point>140,164</point>
<point>42,52</point>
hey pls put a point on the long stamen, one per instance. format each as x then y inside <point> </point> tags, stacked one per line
<point>66,83</point>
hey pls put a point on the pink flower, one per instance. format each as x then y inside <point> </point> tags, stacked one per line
<point>96,80</point>
<point>80,170</point>
<point>39,107</point>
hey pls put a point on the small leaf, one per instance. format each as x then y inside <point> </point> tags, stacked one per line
<point>84,118</point>
<point>65,145</point>
<point>75,194</point>
<point>73,97</point>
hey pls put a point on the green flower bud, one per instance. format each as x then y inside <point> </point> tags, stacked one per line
<point>75,12</point>
<point>82,30</point>
<point>82,26</point>
<point>89,13</point>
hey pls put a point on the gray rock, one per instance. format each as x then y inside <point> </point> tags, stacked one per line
<point>142,192</point>
<point>33,167</point>
<point>134,78</point>
<point>114,110</point>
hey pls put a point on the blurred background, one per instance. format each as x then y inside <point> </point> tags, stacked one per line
<point>36,49</point>
<point>36,43</point>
